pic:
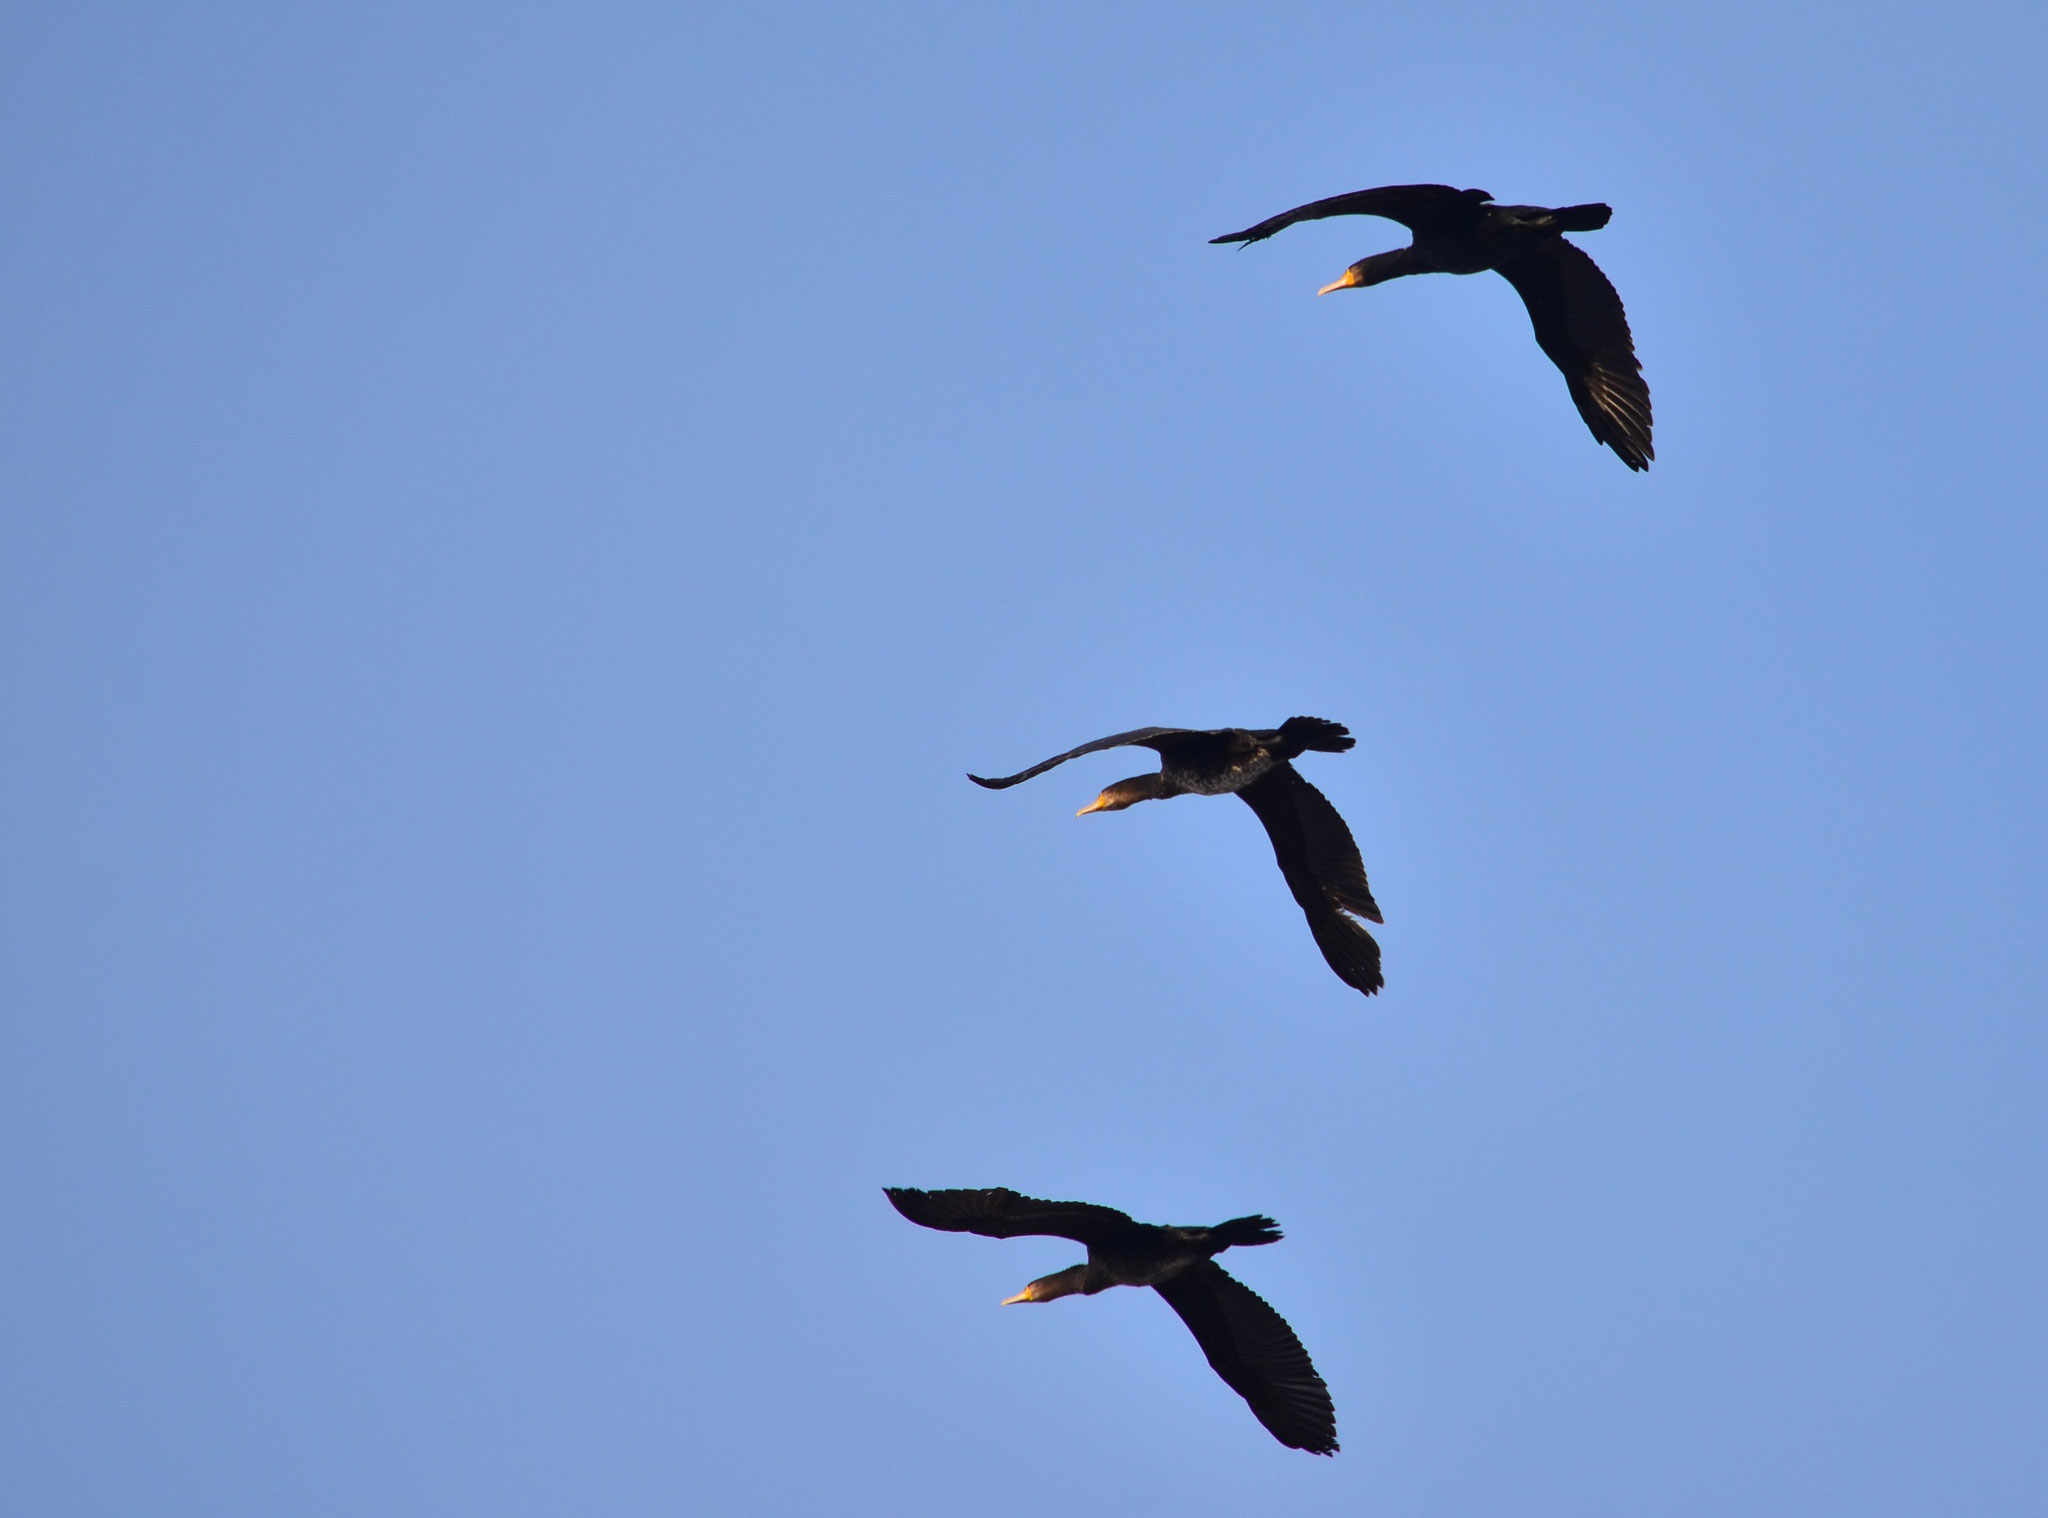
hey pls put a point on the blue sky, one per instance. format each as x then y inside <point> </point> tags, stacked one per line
<point>518,519</point>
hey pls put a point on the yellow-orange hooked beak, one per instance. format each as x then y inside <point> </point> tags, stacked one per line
<point>1022,1296</point>
<point>1099,804</point>
<point>1343,281</point>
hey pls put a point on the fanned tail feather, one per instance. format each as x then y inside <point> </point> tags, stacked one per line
<point>1317,733</point>
<point>1251,1230</point>
<point>1587,218</point>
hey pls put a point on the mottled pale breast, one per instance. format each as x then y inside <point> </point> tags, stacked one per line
<point>1221,770</point>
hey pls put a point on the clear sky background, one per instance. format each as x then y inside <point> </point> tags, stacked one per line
<point>517,520</point>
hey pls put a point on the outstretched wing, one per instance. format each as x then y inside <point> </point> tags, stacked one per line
<point>1580,323</point>
<point>1413,205</point>
<point>1320,861</point>
<point>1141,737</point>
<point>1251,1347</point>
<point>1000,1213</point>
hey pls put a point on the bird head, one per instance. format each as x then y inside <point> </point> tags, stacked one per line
<point>1375,270</point>
<point>1124,793</point>
<point>1063,1284</point>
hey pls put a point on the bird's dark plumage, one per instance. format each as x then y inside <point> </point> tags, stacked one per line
<point>997,1212</point>
<point>1313,847</point>
<point>1139,737</point>
<point>1320,861</point>
<point>1247,1343</point>
<point>1416,206</point>
<point>1251,1347</point>
<point>1579,320</point>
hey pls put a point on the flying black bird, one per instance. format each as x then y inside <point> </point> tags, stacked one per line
<point>1578,317</point>
<point>1310,840</point>
<point>1248,1344</point>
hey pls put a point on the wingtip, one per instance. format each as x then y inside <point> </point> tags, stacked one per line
<point>987,785</point>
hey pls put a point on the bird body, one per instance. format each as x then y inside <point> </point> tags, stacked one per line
<point>1579,320</point>
<point>1219,763</point>
<point>1313,847</point>
<point>1247,1343</point>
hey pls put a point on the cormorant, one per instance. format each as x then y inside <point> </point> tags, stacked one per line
<point>1310,841</point>
<point>1248,1344</point>
<point>1578,318</point>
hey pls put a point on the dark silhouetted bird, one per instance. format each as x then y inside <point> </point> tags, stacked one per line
<point>1578,318</point>
<point>1310,841</point>
<point>1248,1344</point>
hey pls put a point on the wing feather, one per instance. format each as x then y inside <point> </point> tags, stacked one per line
<point>1332,852</point>
<point>1319,859</point>
<point>1581,324</point>
<point>1413,205</point>
<point>1251,1347</point>
<point>1138,736</point>
<point>1000,1213</point>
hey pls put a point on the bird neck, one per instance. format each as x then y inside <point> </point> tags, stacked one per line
<point>1381,267</point>
<point>1136,789</point>
<point>1065,1283</point>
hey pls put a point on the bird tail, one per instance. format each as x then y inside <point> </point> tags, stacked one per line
<point>1587,218</point>
<point>1251,1230</point>
<point>1303,733</point>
